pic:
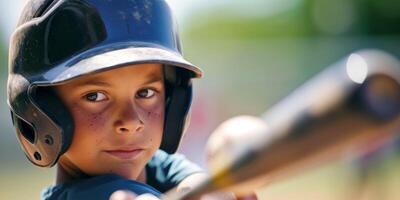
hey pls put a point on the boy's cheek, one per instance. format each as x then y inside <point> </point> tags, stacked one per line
<point>87,120</point>
<point>152,114</point>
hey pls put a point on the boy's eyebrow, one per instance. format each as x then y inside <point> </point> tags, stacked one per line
<point>152,78</point>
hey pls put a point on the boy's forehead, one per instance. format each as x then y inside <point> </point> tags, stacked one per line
<point>143,72</point>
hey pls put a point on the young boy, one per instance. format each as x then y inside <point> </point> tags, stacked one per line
<point>98,87</point>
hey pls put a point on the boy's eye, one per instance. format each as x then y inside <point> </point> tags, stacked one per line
<point>145,93</point>
<point>96,96</point>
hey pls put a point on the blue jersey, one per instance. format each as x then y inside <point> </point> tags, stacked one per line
<point>164,172</point>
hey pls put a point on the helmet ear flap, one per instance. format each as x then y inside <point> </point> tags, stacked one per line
<point>177,103</point>
<point>46,132</point>
<point>51,104</point>
<point>26,129</point>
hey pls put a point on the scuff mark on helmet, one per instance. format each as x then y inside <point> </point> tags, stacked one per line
<point>143,12</point>
<point>137,15</point>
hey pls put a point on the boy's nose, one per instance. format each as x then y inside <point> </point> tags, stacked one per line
<point>128,120</point>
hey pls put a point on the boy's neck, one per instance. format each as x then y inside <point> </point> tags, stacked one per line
<point>65,176</point>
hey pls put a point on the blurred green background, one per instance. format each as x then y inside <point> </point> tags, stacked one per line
<point>253,53</point>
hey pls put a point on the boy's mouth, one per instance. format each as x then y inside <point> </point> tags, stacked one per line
<point>125,154</point>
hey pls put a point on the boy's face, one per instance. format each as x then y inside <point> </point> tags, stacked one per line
<point>119,118</point>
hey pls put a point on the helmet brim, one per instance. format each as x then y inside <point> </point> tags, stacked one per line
<point>106,60</point>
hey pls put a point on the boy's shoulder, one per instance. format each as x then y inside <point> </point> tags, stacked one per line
<point>165,171</point>
<point>98,187</point>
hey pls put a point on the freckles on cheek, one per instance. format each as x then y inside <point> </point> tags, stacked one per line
<point>151,115</point>
<point>88,120</point>
<point>96,121</point>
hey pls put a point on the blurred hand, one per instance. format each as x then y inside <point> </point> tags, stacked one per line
<point>228,196</point>
<point>231,139</point>
<point>128,195</point>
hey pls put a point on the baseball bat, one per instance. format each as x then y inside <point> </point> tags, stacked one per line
<point>341,109</point>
